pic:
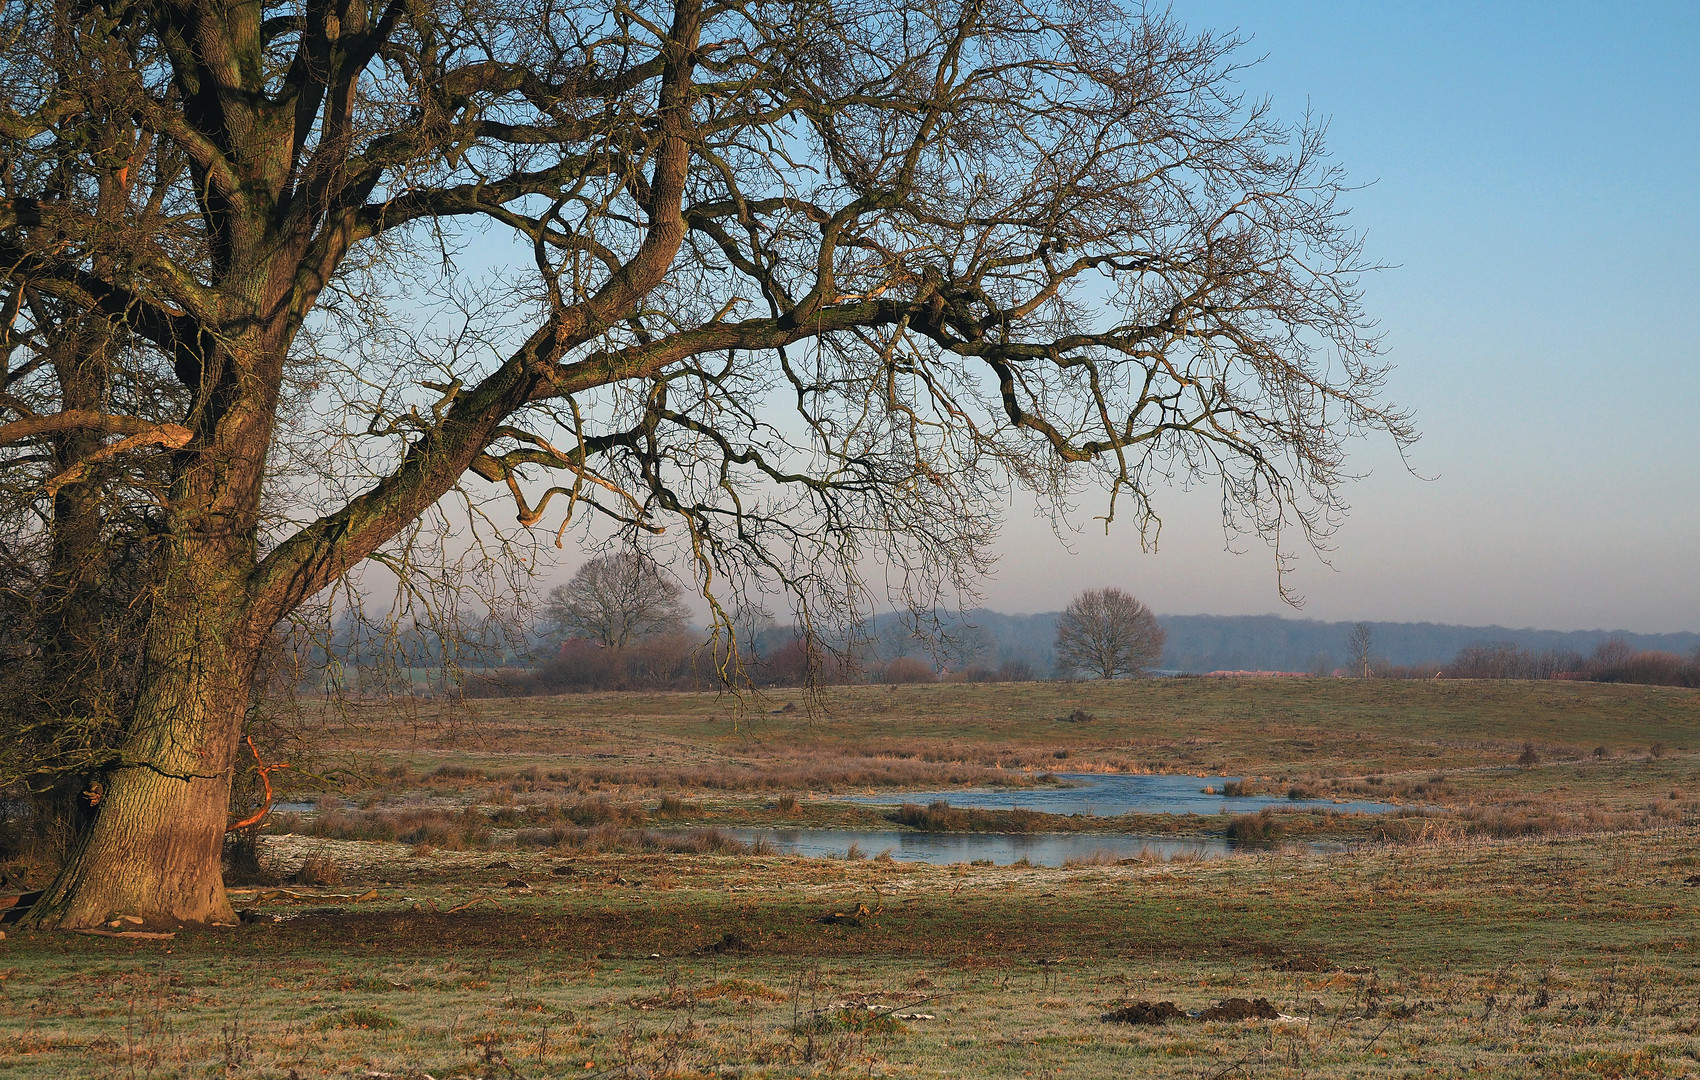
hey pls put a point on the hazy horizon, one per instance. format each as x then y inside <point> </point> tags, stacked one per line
<point>1523,168</point>
<point>1302,616</point>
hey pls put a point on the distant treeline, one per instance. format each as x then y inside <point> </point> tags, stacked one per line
<point>1613,660</point>
<point>778,657</point>
<point>681,663</point>
<point>1271,643</point>
<point>987,646</point>
<point>1199,644</point>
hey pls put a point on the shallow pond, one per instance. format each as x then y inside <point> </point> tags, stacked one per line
<point>1113,794</point>
<point>1041,849</point>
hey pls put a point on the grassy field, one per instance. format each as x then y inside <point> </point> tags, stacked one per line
<point>1320,726</point>
<point>1593,756</point>
<point>1566,950</point>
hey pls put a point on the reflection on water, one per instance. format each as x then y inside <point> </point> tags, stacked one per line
<point>1041,849</point>
<point>1092,794</point>
<point>1109,795</point>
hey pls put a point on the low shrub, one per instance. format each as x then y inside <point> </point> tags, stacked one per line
<point>1526,817</point>
<point>907,670</point>
<point>674,807</point>
<point>469,828</point>
<point>1258,828</point>
<point>609,839</point>
<point>242,862</point>
<point>317,870</point>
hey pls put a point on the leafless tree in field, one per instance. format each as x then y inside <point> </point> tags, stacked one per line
<point>1360,644</point>
<point>617,600</point>
<point>1108,633</point>
<point>290,289</point>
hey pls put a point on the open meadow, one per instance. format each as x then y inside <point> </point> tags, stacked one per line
<point>545,887</point>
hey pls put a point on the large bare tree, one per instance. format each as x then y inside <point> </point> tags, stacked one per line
<point>616,600</point>
<point>1107,633</point>
<point>806,284</point>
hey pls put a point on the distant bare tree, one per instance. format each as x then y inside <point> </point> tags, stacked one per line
<point>1490,660</point>
<point>1508,660</point>
<point>617,600</point>
<point>1358,647</point>
<point>1650,667</point>
<point>1108,633</point>
<point>1610,653</point>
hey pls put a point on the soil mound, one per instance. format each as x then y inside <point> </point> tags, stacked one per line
<point>1305,962</point>
<point>728,944</point>
<point>1145,1012</point>
<point>1241,1009</point>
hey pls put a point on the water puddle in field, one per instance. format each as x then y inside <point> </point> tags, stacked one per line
<point>1113,794</point>
<point>1089,794</point>
<point>1040,849</point>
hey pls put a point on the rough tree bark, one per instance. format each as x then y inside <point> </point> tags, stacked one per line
<point>154,848</point>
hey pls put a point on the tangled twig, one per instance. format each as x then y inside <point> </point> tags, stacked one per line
<point>265,772</point>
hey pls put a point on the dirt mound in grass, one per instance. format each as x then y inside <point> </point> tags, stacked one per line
<point>1241,1009</point>
<point>1305,962</point>
<point>1145,1012</point>
<point>728,944</point>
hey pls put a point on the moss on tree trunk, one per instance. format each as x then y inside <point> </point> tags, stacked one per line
<point>154,848</point>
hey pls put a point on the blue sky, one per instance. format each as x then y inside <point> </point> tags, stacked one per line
<point>1534,175</point>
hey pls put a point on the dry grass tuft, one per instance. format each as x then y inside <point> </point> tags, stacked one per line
<point>317,870</point>
<point>1259,828</point>
<point>940,816</point>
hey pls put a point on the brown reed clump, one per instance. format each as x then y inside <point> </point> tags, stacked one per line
<point>317,870</point>
<point>940,816</point>
<point>1518,818</point>
<point>1259,828</point>
<point>468,828</point>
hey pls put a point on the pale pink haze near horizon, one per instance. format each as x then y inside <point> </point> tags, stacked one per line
<point>1526,170</point>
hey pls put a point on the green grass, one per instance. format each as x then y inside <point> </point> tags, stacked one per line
<point>1258,727</point>
<point>1517,958</point>
<point>1569,951</point>
<point>702,760</point>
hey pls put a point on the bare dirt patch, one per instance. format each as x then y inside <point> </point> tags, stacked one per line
<point>1233,1009</point>
<point>1145,1012</point>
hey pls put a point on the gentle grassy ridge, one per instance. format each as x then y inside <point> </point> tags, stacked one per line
<point>921,736</point>
<point>1502,759</point>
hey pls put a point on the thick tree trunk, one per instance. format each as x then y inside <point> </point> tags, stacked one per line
<point>154,848</point>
